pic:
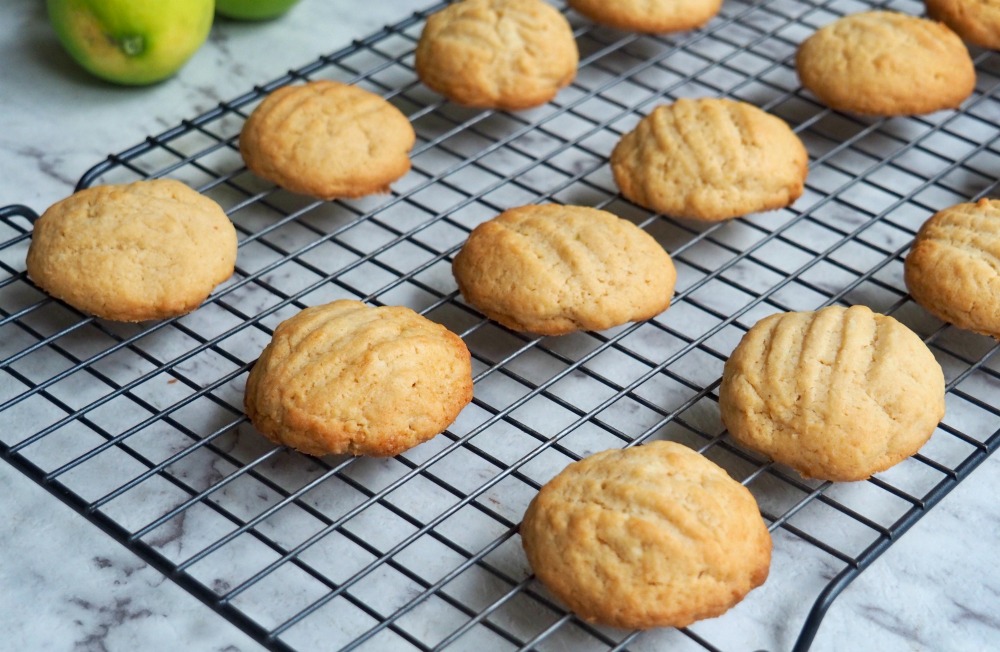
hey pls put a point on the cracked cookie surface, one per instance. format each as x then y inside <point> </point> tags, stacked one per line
<point>976,21</point>
<point>327,140</point>
<point>348,378</point>
<point>837,394</point>
<point>555,269</point>
<point>145,250</point>
<point>501,54</point>
<point>886,63</point>
<point>652,16</point>
<point>651,536</point>
<point>711,160</point>
<point>953,268</point>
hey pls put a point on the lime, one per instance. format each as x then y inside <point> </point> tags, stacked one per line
<point>253,9</point>
<point>131,41</point>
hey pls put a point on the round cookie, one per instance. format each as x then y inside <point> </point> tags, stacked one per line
<point>837,394</point>
<point>976,21</point>
<point>556,269</point>
<point>886,63</point>
<point>499,54</point>
<point>953,268</point>
<point>711,160</point>
<point>347,378</point>
<point>651,536</point>
<point>145,250</point>
<point>326,139</point>
<point>652,16</point>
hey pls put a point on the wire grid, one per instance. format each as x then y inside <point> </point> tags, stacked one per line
<point>141,428</point>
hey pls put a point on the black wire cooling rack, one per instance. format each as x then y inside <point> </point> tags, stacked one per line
<point>140,427</point>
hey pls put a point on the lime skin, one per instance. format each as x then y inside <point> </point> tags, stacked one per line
<point>253,9</point>
<point>132,42</point>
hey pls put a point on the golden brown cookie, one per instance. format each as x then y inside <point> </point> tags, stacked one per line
<point>953,268</point>
<point>652,536</point>
<point>326,139</point>
<point>976,21</point>
<point>710,159</point>
<point>652,16</point>
<point>500,54</point>
<point>347,378</point>
<point>145,250</point>
<point>886,63</point>
<point>556,269</point>
<point>837,394</point>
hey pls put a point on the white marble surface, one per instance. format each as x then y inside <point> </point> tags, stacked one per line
<point>65,585</point>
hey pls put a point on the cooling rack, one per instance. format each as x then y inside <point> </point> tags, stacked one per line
<point>140,428</point>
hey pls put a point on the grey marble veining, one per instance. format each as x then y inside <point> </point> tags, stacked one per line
<point>71,587</point>
<point>67,586</point>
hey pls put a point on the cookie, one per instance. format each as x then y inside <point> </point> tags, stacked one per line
<point>651,16</point>
<point>348,378</point>
<point>886,63</point>
<point>953,268</point>
<point>135,252</point>
<point>837,394</point>
<point>327,140</point>
<point>652,536</point>
<point>556,269</point>
<point>711,160</point>
<point>497,54</point>
<point>976,21</point>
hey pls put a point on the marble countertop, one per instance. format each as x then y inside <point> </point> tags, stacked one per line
<point>66,585</point>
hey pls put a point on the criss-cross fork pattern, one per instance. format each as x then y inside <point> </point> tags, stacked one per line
<point>141,428</point>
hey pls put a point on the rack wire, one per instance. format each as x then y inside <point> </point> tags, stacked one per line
<point>140,428</point>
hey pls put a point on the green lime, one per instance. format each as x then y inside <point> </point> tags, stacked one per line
<point>253,9</point>
<point>131,41</point>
